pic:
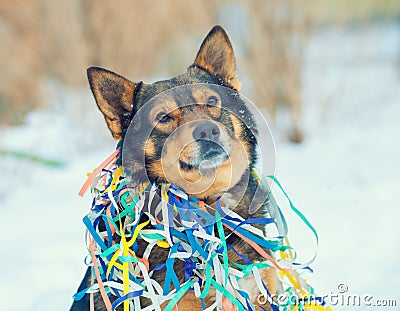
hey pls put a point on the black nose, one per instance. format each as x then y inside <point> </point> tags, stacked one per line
<point>206,130</point>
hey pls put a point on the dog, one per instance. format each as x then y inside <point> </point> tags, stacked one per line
<point>195,142</point>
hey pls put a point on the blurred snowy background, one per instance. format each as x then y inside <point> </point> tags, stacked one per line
<point>343,70</point>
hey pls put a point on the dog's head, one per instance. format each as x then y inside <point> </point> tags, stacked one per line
<point>193,130</point>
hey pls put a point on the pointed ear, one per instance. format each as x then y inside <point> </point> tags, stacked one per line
<point>114,96</point>
<point>216,56</point>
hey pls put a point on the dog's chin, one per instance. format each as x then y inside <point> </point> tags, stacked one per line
<point>207,166</point>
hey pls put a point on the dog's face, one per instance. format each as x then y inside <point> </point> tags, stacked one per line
<point>185,130</point>
<point>195,140</point>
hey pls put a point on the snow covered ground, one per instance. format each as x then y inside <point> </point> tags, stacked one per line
<point>344,177</point>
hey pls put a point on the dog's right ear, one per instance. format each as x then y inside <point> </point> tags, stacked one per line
<point>114,96</point>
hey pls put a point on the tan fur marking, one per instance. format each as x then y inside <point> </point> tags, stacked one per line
<point>156,168</point>
<point>150,148</point>
<point>238,131</point>
<point>237,126</point>
<point>201,95</point>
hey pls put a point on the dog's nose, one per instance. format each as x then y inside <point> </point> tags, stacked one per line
<point>206,130</point>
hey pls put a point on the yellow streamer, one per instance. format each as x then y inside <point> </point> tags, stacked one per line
<point>163,244</point>
<point>114,183</point>
<point>136,232</point>
<point>125,269</point>
<point>113,262</point>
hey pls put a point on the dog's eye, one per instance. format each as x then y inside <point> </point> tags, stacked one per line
<point>163,117</point>
<point>212,101</point>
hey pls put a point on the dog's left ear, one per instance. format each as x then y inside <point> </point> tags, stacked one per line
<point>216,56</point>
<point>114,96</point>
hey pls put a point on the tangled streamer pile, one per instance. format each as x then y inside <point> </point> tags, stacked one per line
<point>117,210</point>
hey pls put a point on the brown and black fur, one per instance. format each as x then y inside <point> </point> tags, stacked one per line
<point>121,100</point>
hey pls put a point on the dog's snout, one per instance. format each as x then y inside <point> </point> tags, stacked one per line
<point>206,130</point>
